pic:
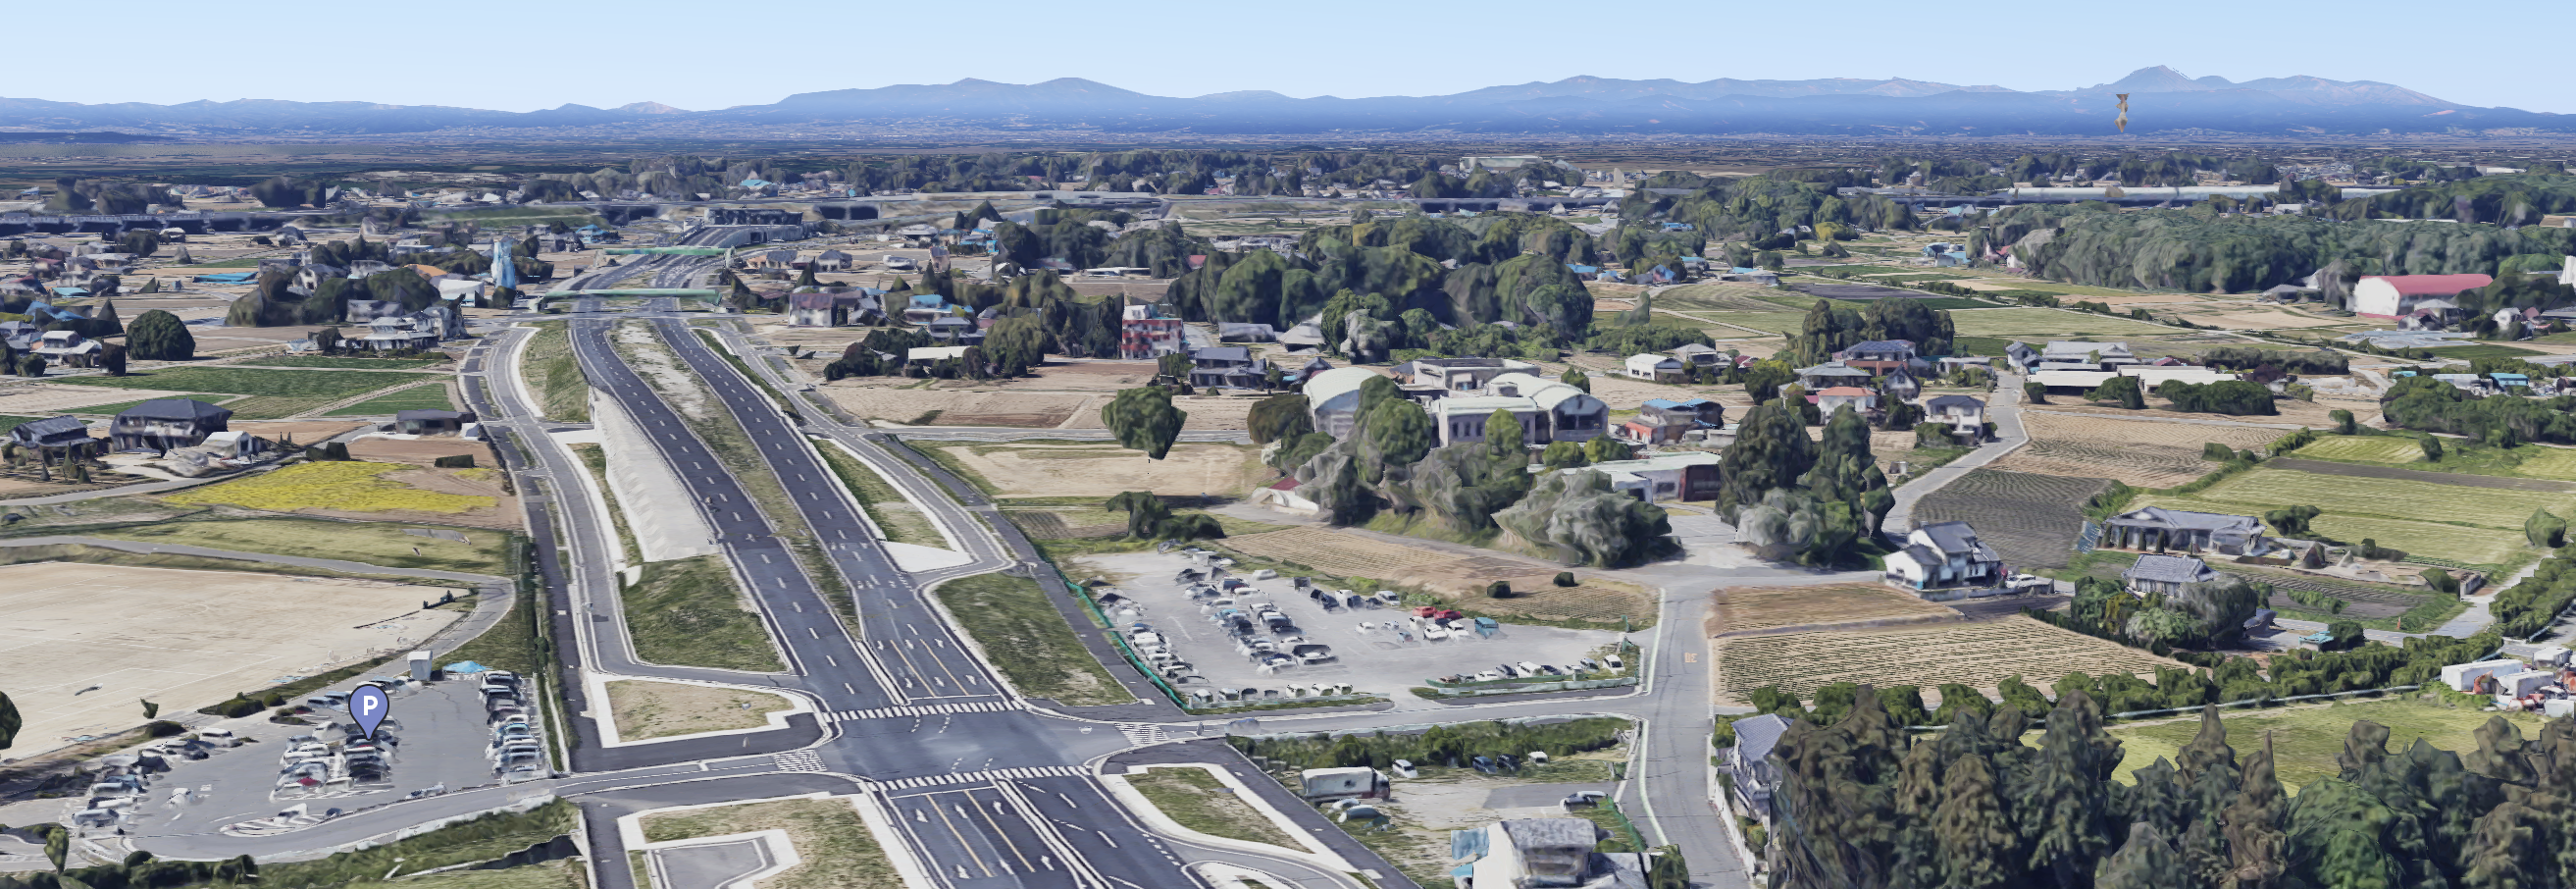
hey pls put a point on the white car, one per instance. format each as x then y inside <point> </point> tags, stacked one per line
<point>1433,633</point>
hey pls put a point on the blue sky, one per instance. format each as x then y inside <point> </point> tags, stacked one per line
<point>520,56</point>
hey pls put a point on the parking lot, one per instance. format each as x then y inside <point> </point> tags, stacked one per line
<point>1227,639</point>
<point>440,737</point>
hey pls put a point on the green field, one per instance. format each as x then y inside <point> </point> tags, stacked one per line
<point>1767,322</point>
<point>333,361</point>
<point>2025,323</point>
<point>324,384</point>
<point>8,423</point>
<point>2483,350</point>
<point>424,397</point>
<point>104,410</point>
<point>275,407</point>
<point>1024,635</point>
<point>2475,525</point>
<point>2384,449</point>
<point>1979,345</point>
<point>372,543</point>
<point>689,612</point>
<point>2520,461</point>
<point>2306,739</point>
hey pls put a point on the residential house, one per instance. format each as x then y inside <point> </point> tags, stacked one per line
<point>431,422</point>
<point>397,333</point>
<point>1543,853</point>
<point>1333,397</point>
<point>63,435</point>
<point>953,329</point>
<point>2157,528</point>
<point>2085,355</point>
<point>164,424</point>
<point>833,261</point>
<point>925,356</point>
<point>1966,416</point>
<point>1236,332</point>
<point>21,335</point>
<point>1660,478</point>
<point>1749,763</point>
<point>1229,367</point>
<point>64,348</point>
<point>2021,355</point>
<point>772,260</point>
<point>1878,356</point>
<point>1147,331</point>
<point>2168,575</point>
<point>1458,375</point>
<point>2390,297</point>
<point>1548,411</point>
<point>1304,337</point>
<point>1660,368</point>
<point>1831,374</point>
<point>1665,421</point>
<point>1697,355</point>
<point>1945,556</point>
<point>1898,385</point>
<point>835,307</point>
<point>1834,398</point>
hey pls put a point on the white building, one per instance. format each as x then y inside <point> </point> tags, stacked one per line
<point>1660,368</point>
<point>1946,560</point>
<point>1333,397</point>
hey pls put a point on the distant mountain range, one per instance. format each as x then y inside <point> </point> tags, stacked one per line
<point>2162,100</point>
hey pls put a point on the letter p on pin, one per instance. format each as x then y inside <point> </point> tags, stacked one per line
<point>368,705</point>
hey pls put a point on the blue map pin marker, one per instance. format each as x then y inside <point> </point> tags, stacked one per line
<point>369,705</point>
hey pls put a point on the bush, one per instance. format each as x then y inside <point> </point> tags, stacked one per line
<point>2218,452</point>
<point>1498,590</point>
<point>2545,530</point>
<point>2432,449</point>
<point>163,728</point>
<point>2232,397</point>
<point>454,461</point>
<point>2345,422</point>
<point>2123,391</point>
<point>1565,578</point>
<point>2036,393</point>
<point>236,708</point>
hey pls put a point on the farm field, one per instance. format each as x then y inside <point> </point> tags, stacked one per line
<point>2478,525</point>
<point>1766,322</point>
<point>1714,298</point>
<point>1746,609</point>
<point>2030,519</point>
<point>181,638</point>
<point>2385,449</point>
<point>2042,286</point>
<point>334,361</point>
<point>322,384</point>
<point>1101,469</point>
<point>1978,654</point>
<point>2520,461</point>
<point>2026,323</point>
<point>373,543</point>
<point>2306,739</point>
<point>2484,350</point>
<point>2143,453</point>
<point>350,486</point>
<point>424,397</point>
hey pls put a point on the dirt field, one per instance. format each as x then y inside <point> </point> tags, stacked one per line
<point>45,399</point>
<point>647,709</point>
<point>1207,413</point>
<point>304,431</point>
<point>1977,654</point>
<point>84,642</point>
<point>419,451</point>
<point>2293,412</point>
<point>2032,520</point>
<point>1102,470</point>
<point>1747,609</point>
<point>2145,453</point>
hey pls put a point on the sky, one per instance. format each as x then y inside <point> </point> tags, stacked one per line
<point>518,56</point>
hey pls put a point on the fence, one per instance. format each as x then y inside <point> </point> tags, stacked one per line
<point>1532,688</point>
<point>1083,595</point>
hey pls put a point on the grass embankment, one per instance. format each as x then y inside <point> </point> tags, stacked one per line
<point>837,848</point>
<point>110,410</point>
<point>596,458</point>
<point>901,521</point>
<point>425,397</point>
<point>1028,640</point>
<point>2306,739</point>
<point>327,385</point>
<point>1202,803</point>
<point>481,839</point>
<point>554,376</point>
<point>335,361</point>
<point>354,486</point>
<point>647,709</point>
<point>2474,525</point>
<point>688,612</point>
<point>372,543</point>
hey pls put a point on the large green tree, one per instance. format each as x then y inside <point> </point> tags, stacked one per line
<point>157,335</point>
<point>1771,451</point>
<point>1144,419</point>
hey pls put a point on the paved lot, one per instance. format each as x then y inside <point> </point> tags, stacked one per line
<point>1375,661</point>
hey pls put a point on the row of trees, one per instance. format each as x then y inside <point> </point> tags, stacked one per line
<point>1791,498</point>
<point>1832,325</point>
<point>2098,245</point>
<point>2426,404</point>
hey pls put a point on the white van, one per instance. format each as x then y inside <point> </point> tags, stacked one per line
<point>219,737</point>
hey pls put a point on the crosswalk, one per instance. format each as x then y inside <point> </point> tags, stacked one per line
<point>920,710</point>
<point>981,777</point>
<point>1142,732</point>
<point>798,761</point>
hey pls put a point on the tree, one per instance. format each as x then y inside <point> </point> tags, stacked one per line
<point>1145,512</point>
<point>1764,378</point>
<point>160,336</point>
<point>1562,455</point>
<point>327,340</point>
<point>2291,521</point>
<point>1279,418</point>
<point>2121,390</point>
<point>151,710</point>
<point>2064,801</point>
<point>9,721</point>
<point>1173,365</point>
<point>1144,420</point>
<point>2432,448</point>
<point>1603,449</point>
<point>2545,530</point>
<point>111,358</point>
<point>1016,343</point>
<point>2345,635</point>
<point>2345,423</point>
<point>1576,378</point>
<point>1976,839</point>
<point>1669,870</point>
<point>2255,840</point>
<point>2145,861</point>
<point>1771,451</point>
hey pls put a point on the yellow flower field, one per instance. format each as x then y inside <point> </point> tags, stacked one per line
<point>341,485</point>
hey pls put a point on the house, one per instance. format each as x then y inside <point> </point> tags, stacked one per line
<point>1835,398</point>
<point>2085,355</point>
<point>2167,575</point>
<point>1146,332</point>
<point>1899,386</point>
<point>1333,397</point>
<point>1305,337</point>
<point>1697,355</point>
<point>919,309</point>
<point>2390,297</point>
<point>1945,556</point>
<point>1355,782</point>
<point>1665,421</point>
<point>66,435</point>
<point>1699,411</point>
<point>1228,367</point>
<point>1680,475</point>
<point>65,348</point>
<point>772,260</point>
<point>953,329</point>
<point>397,333</point>
<point>1543,853</point>
<point>427,422</point>
<point>1447,375</point>
<point>2021,355</point>
<point>1749,763</point>
<point>1831,374</point>
<point>1659,368</point>
<point>1548,411</point>
<point>2157,528</point>
<point>929,355</point>
<point>1878,356</point>
<point>834,307</point>
<point>1966,416</point>
<point>1235,332</point>
<point>833,261</point>
<point>164,424</point>
<point>21,335</point>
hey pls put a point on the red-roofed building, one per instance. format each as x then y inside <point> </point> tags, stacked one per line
<point>2390,297</point>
